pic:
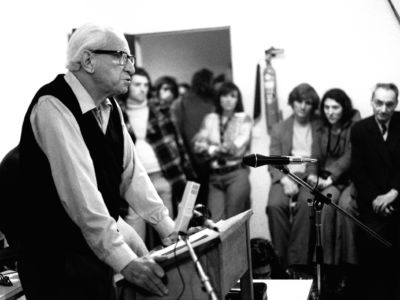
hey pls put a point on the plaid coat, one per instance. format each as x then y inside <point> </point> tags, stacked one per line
<point>168,146</point>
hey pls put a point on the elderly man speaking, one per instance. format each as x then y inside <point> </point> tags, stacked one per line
<point>78,167</point>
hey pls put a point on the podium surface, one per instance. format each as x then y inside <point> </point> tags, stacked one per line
<point>225,257</point>
<point>11,292</point>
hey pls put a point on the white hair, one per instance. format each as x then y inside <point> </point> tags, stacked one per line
<point>87,37</point>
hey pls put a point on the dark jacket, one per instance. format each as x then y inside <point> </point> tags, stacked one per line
<point>333,162</point>
<point>375,163</point>
<point>281,141</point>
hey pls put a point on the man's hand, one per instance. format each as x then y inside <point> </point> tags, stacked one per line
<point>200,147</point>
<point>290,188</point>
<point>312,179</point>
<point>193,230</point>
<point>170,239</point>
<point>146,273</point>
<point>383,204</point>
<point>324,183</point>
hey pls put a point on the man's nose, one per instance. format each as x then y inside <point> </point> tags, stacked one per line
<point>130,68</point>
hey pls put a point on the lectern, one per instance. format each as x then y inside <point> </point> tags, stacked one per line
<point>225,257</point>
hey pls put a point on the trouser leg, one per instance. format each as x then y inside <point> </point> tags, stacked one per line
<point>299,241</point>
<point>216,198</point>
<point>278,213</point>
<point>347,228</point>
<point>237,192</point>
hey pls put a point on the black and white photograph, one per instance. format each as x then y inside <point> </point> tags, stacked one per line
<point>200,150</point>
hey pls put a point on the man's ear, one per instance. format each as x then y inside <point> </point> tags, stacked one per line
<point>87,61</point>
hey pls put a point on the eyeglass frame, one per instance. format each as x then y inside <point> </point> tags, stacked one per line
<point>123,56</point>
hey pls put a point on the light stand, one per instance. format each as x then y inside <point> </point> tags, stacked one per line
<point>202,275</point>
<point>317,204</point>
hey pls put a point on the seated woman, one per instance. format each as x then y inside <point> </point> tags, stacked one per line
<point>332,176</point>
<point>288,215</point>
<point>223,139</point>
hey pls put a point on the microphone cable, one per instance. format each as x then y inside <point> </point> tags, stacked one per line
<point>316,184</point>
<point>178,268</point>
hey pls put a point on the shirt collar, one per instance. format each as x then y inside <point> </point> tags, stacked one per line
<point>380,124</point>
<point>130,104</point>
<point>85,101</point>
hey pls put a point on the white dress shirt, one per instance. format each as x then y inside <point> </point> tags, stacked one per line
<point>58,135</point>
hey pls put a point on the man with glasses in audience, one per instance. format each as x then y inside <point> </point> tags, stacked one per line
<point>78,165</point>
<point>376,174</point>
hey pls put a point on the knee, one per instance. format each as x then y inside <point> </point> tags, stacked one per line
<point>349,204</point>
<point>344,203</point>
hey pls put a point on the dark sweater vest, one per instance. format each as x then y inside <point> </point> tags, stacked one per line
<point>43,212</point>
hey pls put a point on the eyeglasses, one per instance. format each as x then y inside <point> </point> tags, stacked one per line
<point>123,56</point>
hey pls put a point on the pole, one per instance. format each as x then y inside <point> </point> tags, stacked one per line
<point>319,252</point>
<point>202,275</point>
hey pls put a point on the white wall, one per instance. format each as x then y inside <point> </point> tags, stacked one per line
<point>342,43</point>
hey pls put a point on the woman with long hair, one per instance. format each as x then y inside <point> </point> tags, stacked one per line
<point>223,139</point>
<point>332,176</point>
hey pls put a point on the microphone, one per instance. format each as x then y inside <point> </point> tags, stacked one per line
<point>258,160</point>
<point>208,223</point>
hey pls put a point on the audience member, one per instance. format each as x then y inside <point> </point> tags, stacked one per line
<point>77,163</point>
<point>159,146</point>
<point>188,113</point>
<point>183,88</point>
<point>375,171</point>
<point>218,81</point>
<point>332,176</point>
<point>290,228</point>
<point>9,210</point>
<point>9,187</point>
<point>166,91</point>
<point>223,139</point>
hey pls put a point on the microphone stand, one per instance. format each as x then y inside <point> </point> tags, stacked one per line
<point>202,275</point>
<point>317,204</point>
